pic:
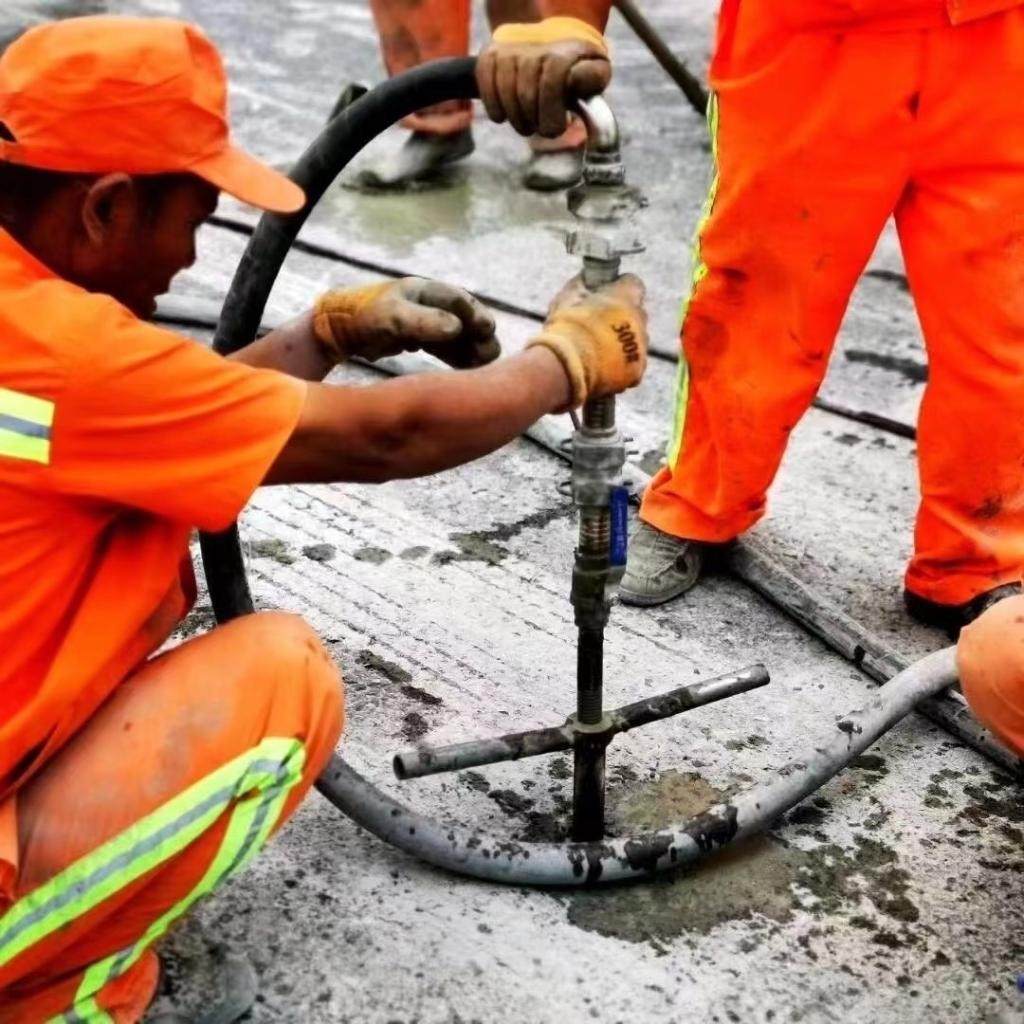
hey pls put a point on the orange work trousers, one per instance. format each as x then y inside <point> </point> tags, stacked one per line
<point>990,656</point>
<point>819,137</point>
<point>169,789</point>
<point>415,31</point>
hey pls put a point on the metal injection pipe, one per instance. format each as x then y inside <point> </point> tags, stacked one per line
<point>600,203</point>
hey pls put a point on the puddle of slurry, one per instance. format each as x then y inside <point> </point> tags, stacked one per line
<point>472,548</point>
<point>755,877</point>
<point>417,693</point>
<point>761,880</point>
<point>414,726</point>
<point>414,553</point>
<point>476,198</point>
<point>488,546</point>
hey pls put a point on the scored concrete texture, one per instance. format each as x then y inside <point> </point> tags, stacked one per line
<point>891,895</point>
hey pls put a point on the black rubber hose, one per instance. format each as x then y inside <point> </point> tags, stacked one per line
<point>344,136</point>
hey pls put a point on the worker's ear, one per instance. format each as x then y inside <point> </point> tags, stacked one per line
<point>110,204</point>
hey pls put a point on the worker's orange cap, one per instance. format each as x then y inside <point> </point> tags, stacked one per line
<point>137,95</point>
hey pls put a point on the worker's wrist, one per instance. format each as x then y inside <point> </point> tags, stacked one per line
<point>558,29</point>
<point>548,367</point>
<point>563,346</point>
<point>332,338</point>
<point>336,319</point>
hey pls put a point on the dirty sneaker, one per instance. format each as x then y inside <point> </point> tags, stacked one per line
<point>660,567</point>
<point>551,170</point>
<point>953,617</point>
<point>223,983</point>
<point>422,155</point>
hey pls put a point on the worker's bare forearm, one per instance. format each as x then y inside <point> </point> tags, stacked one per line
<point>420,425</point>
<point>291,349</point>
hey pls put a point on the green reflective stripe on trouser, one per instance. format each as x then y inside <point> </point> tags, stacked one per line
<point>257,783</point>
<point>265,775</point>
<point>700,271</point>
<point>25,426</point>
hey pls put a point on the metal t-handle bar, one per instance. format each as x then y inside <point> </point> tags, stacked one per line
<point>423,760</point>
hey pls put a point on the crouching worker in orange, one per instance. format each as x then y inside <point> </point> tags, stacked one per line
<point>132,785</point>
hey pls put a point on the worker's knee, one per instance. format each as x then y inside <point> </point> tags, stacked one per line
<point>296,668</point>
<point>279,635</point>
<point>990,658</point>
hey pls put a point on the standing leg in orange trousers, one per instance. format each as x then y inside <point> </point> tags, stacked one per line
<point>414,32</point>
<point>812,138</point>
<point>961,223</point>
<point>172,787</point>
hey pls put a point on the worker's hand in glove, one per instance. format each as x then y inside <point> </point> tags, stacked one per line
<point>529,73</point>
<point>599,337</point>
<point>403,316</point>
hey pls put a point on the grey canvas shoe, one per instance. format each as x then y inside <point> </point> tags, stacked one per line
<point>553,170</point>
<point>422,155</point>
<point>660,567</point>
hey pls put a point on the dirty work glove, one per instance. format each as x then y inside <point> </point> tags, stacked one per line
<point>599,337</point>
<point>528,73</point>
<point>403,316</point>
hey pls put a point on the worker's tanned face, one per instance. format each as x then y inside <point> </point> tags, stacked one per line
<point>134,243</point>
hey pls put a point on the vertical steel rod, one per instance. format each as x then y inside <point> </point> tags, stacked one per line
<point>592,572</point>
<point>589,751</point>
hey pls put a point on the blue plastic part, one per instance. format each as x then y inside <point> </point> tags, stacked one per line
<point>620,525</point>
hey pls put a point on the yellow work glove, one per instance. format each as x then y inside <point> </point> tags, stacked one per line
<point>600,338</point>
<point>403,316</point>
<point>528,74</point>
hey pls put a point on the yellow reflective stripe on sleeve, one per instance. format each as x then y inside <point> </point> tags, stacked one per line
<point>25,425</point>
<point>26,407</point>
<point>17,446</point>
<point>700,271</point>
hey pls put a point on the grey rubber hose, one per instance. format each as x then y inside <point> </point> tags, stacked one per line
<point>569,864</point>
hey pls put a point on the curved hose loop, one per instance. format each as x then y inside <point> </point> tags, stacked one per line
<point>459,850</point>
<point>618,860</point>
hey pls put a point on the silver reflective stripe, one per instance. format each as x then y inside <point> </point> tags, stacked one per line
<point>16,425</point>
<point>75,892</point>
<point>261,816</point>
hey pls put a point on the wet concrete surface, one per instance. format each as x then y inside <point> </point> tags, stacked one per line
<point>892,895</point>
